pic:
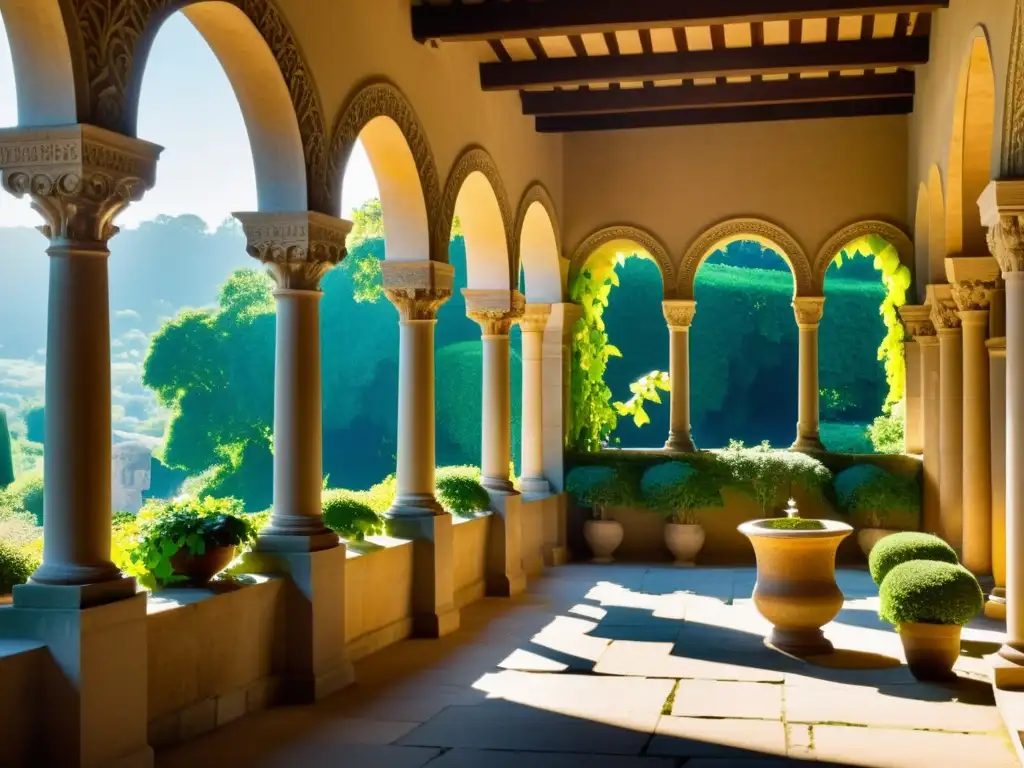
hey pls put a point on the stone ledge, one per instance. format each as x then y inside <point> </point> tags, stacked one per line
<point>373,544</point>
<point>180,597</point>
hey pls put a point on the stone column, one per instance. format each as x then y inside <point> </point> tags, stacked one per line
<point>913,316</point>
<point>995,606</point>
<point>931,508</point>
<point>974,280</point>
<point>679,316</point>
<point>951,419</point>
<point>77,603</point>
<point>532,480</point>
<point>495,312</point>
<point>809,311</point>
<point>418,289</point>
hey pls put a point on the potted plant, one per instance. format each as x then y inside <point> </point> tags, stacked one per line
<point>189,540</point>
<point>929,602</point>
<point>874,499</point>
<point>906,546</point>
<point>676,490</point>
<point>599,488</point>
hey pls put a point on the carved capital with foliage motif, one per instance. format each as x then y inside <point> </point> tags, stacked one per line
<point>78,176</point>
<point>679,313</point>
<point>917,320</point>
<point>494,311</point>
<point>298,249</point>
<point>944,310</point>
<point>809,310</point>
<point>535,318</point>
<point>973,280</point>
<point>1002,211</point>
<point>417,288</point>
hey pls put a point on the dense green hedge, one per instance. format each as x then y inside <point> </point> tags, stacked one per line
<point>931,593</point>
<point>904,547</point>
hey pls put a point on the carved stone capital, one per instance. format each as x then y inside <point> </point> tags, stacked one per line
<point>679,313</point>
<point>973,280</point>
<point>417,288</point>
<point>297,248</point>
<point>944,312</point>
<point>78,176</point>
<point>809,310</point>
<point>1002,211</point>
<point>917,320</point>
<point>535,318</point>
<point>494,311</point>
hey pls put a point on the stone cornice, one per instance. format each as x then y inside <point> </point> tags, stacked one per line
<point>809,310</point>
<point>535,318</point>
<point>417,288</point>
<point>679,313</point>
<point>917,321</point>
<point>78,176</point>
<point>298,248</point>
<point>494,311</point>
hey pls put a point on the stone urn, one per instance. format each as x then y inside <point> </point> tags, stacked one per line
<point>796,586</point>
<point>868,537</point>
<point>200,569</point>
<point>684,542</point>
<point>931,649</point>
<point>603,537</point>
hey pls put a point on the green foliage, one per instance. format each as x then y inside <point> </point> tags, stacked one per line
<point>35,424</point>
<point>16,565</point>
<point>460,492</point>
<point>382,495</point>
<point>348,514</point>
<point>929,592</point>
<point>675,490</point>
<point>872,496</point>
<point>840,437</point>
<point>25,495</point>
<point>6,452</point>
<point>645,390</point>
<point>904,547</point>
<point>886,431</point>
<point>189,523</point>
<point>764,473</point>
<point>794,524</point>
<point>597,487</point>
<point>19,527</point>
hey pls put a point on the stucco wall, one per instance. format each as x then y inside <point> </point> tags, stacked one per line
<point>809,177</point>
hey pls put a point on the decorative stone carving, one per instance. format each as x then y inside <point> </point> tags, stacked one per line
<point>809,310</point>
<point>944,313</point>
<point>642,238</point>
<point>535,318</point>
<point>494,311</point>
<point>417,288</point>
<point>297,248</point>
<point>973,279</point>
<point>535,193</point>
<point>756,229</point>
<point>79,177</point>
<point>1011,240</point>
<point>917,321</point>
<point>1013,121</point>
<point>383,99</point>
<point>679,313</point>
<point>835,244</point>
<point>472,160</point>
<point>973,294</point>
<point>111,33</point>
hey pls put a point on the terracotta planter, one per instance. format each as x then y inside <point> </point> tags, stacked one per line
<point>796,586</point>
<point>199,569</point>
<point>604,537</point>
<point>684,542</point>
<point>868,537</point>
<point>931,649</point>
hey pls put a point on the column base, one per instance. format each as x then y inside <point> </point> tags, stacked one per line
<point>534,487</point>
<point>810,444</point>
<point>33,594</point>
<point>678,443</point>
<point>995,604</point>
<point>414,505</point>
<point>296,534</point>
<point>1008,668</point>
<point>498,485</point>
<point>433,564</point>
<point>555,556</point>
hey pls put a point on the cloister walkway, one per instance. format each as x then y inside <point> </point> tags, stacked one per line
<point>630,666</point>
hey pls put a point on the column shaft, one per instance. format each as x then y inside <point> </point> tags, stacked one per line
<point>809,311</point>
<point>951,429</point>
<point>996,605</point>
<point>913,399</point>
<point>680,435</point>
<point>496,443</point>
<point>932,412</point>
<point>977,497</point>
<point>532,478</point>
<point>1014,459</point>
<point>416,458</point>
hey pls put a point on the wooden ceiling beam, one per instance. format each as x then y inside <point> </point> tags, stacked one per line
<point>792,58</point>
<point>529,18</point>
<point>747,114</point>
<point>793,90</point>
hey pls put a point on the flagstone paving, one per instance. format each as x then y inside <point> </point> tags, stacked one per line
<point>629,666</point>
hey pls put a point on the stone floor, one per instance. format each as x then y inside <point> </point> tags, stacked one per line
<point>629,666</point>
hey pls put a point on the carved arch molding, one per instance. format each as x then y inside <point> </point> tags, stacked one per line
<point>893,234</point>
<point>648,242</point>
<point>1013,119</point>
<point>535,193</point>
<point>472,160</point>
<point>735,229</point>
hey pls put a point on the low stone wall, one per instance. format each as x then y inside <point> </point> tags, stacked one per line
<point>470,558</point>
<point>378,595</point>
<point>24,665</point>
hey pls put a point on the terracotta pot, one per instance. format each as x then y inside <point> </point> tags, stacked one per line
<point>199,569</point>
<point>796,586</point>
<point>604,537</point>
<point>684,542</point>
<point>931,649</point>
<point>868,537</point>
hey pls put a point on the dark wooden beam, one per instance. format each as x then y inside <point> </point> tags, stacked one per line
<point>793,90</point>
<point>528,18</point>
<point>750,114</point>
<point>816,57</point>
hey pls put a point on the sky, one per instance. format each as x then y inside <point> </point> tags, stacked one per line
<point>188,107</point>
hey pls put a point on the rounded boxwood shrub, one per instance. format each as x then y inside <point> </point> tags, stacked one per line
<point>597,487</point>
<point>875,498</point>
<point>16,565</point>
<point>350,515</point>
<point>675,489</point>
<point>930,592</point>
<point>460,492</point>
<point>904,547</point>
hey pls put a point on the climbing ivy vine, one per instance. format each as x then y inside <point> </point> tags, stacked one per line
<point>645,390</point>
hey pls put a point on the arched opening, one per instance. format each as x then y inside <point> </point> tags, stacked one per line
<point>936,229</point>
<point>970,152</point>
<point>922,226</point>
<point>539,256</point>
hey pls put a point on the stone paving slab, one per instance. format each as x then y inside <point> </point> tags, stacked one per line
<point>715,698</point>
<point>911,749</point>
<point>640,659</point>
<point>697,737</point>
<point>474,758</point>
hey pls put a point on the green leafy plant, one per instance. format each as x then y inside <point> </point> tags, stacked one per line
<point>886,431</point>
<point>676,490</point>
<point>645,390</point>
<point>904,547</point>
<point>794,524</point>
<point>16,565</point>
<point>872,496</point>
<point>460,492</point>
<point>598,488</point>
<point>25,495</point>
<point>349,514</point>
<point>929,592</point>
<point>764,473</point>
<point>196,525</point>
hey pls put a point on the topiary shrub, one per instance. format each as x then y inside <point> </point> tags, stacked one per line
<point>904,547</point>
<point>875,498</point>
<point>764,473</point>
<point>6,452</point>
<point>349,514</point>
<point>460,492</point>
<point>676,490</point>
<point>597,487</point>
<point>929,592</point>
<point>794,524</point>
<point>16,565</point>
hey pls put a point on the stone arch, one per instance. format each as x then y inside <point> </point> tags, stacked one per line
<point>1012,154</point>
<point>117,36</point>
<point>537,246</point>
<point>893,234</point>
<point>476,194</point>
<point>626,234</point>
<point>43,65</point>
<point>758,230</point>
<point>936,228</point>
<point>922,222</point>
<point>380,115</point>
<point>970,149</point>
